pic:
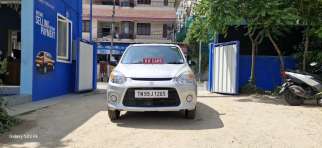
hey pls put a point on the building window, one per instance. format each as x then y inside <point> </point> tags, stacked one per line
<point>127,3</point>
<point>106,29</point>
<point>165,31</point>
<point>146,2</point>
<point>64,39</point>
<point>86,26</point>
<point>166,2</point>
<point>143,29</point>
<point>107,2</point>
<point>106,32</point>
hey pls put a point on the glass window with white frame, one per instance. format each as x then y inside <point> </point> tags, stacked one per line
<point>64,29</point>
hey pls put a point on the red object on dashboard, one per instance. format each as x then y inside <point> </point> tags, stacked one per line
<point>153,61</point>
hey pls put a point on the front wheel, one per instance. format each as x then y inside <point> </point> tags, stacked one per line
<point>292,99</point>
<point>190,114</point>
<point>113,115</point>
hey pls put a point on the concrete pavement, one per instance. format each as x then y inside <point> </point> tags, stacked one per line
<point>101,87</point>
<point>224,121</point>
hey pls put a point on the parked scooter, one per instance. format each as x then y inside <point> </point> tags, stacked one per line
<point>303,86</point>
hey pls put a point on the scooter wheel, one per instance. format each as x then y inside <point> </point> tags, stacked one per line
<point>292,99</point>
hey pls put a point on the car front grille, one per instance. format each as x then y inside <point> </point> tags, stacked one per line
<point>172,100</point>
<point>152,79</point>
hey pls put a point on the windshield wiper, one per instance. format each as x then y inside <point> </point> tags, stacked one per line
<point>135,63</point>
<point>175,63</point>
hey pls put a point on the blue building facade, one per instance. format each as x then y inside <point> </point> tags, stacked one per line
<point>51,35</point>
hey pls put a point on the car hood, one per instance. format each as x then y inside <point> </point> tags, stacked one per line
<point>151,70</point>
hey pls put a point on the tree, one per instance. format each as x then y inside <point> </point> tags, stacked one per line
<point>246,12</point>
<point>309,16</point>
<point>221,14</point>
<point>197,32</point>
<point>218,15</point>
<point>272,17</point>
<point>205,27</point>
<point>263,18</point>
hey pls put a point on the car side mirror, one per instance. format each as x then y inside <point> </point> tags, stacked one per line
<point>113,63</point>
<point>191,63</point>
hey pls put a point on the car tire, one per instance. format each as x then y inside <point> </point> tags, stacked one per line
<point>292,99</point>
<point>190,114</point>
<point>114,114</point>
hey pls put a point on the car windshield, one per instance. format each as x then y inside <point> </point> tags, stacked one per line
<point>153,55</point>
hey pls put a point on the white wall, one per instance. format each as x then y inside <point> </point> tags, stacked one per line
<point>156,33</point>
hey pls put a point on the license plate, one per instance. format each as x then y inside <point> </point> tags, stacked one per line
<point>151,93</point>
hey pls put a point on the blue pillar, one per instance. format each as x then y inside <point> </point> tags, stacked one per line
<point>95,66</point>
<point>27,35</point>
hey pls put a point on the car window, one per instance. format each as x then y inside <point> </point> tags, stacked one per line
<point>156,54</point>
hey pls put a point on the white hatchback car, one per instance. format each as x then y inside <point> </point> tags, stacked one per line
<point>152,77</point>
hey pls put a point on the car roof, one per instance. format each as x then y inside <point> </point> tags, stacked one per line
<point>138,45</point>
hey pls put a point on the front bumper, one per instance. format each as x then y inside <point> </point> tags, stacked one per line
<point>120,90</point>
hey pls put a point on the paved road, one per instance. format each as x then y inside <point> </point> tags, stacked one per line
<point>225,121</point>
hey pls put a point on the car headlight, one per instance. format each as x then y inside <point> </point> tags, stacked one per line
<point>117,78</point>
<point>185,78</point>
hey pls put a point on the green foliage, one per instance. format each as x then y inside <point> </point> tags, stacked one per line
<point>250,88</point>
<point>309,14</point>
<point>318,32</point>
<point>180,36</point>
<point>218,14</point>
<point>261,16</point>
<point>3,66</point>
<point>264,14</point>
<point>263,19</point>
<point>198,32</point>
<point>6,122</point>
<point>269,15</point>
<point>276,91</point>
<point>312,56</point>
<point>310,17</point>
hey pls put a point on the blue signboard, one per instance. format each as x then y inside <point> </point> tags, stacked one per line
<point>105,48</point>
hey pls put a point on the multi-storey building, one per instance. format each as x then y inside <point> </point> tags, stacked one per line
<point>136,21</point>
<point>185,12</point>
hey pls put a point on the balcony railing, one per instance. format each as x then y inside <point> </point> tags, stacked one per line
<point>152,36</point>
<point>157,4</point>
<point>156,36</point>
<point>136,3</point>
<point>116,36</point>
<point>125,36</point>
